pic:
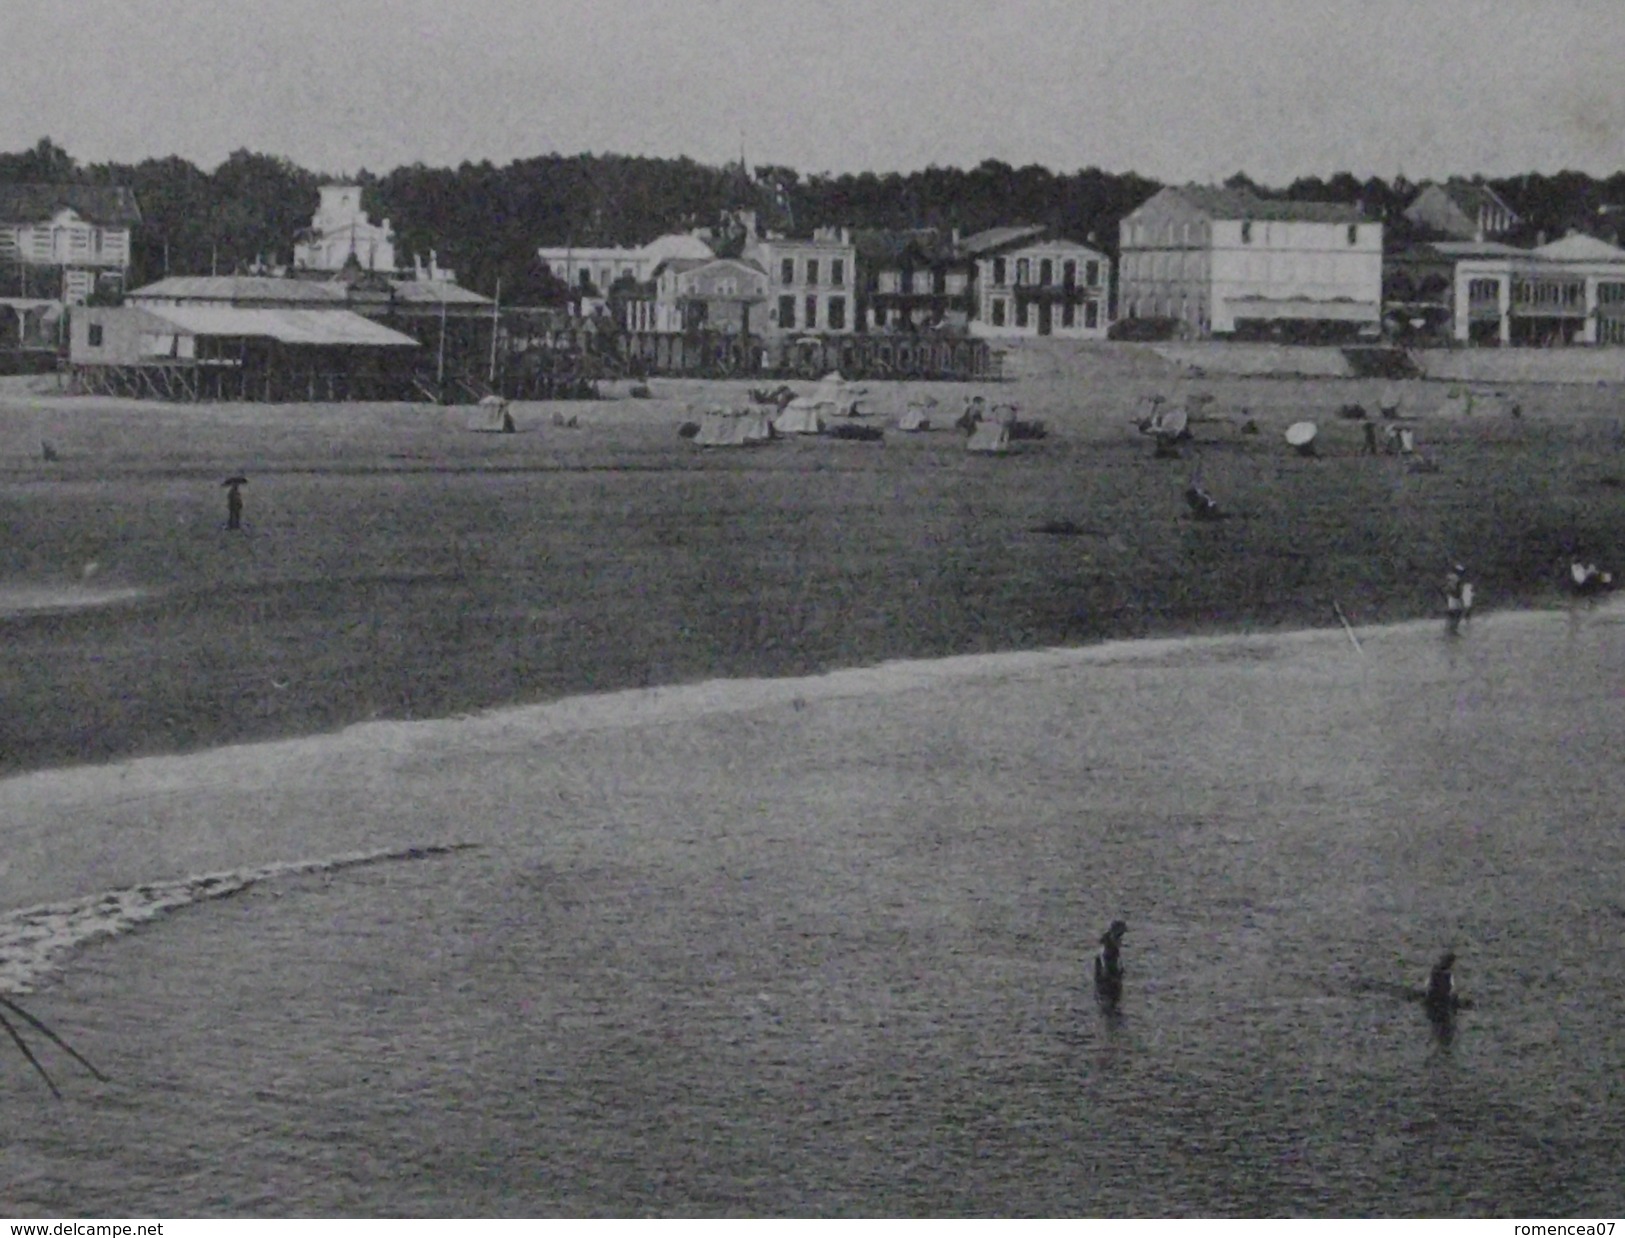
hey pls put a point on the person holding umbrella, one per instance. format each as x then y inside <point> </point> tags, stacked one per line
<point>1458,597</point>
<point>234,501</point>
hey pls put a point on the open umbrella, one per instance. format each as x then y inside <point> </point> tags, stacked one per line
<point>235,481</point>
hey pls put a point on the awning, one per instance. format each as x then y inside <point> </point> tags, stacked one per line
<point>1301,309</point>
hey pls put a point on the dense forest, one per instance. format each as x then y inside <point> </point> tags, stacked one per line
<point>486,221</point>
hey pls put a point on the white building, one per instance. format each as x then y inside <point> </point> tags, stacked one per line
<point>594,270</point>
<point>699,294</point>
<point>63,242</point>
<point>341,230</point>
<point>812,283</point>
<point>1571,291</point>
<point>1028,284</point>
<point>1227,262</point>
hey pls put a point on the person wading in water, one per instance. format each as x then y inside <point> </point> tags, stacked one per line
<point>1109,965</point>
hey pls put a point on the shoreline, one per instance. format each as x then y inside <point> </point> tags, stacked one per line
<point>1532,602</point>
<point>332,772</point>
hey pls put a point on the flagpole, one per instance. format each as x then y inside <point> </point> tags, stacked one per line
<point>496,309</point>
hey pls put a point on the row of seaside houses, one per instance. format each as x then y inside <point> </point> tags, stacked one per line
<point>1004,282</point>
<point>1197,260</point>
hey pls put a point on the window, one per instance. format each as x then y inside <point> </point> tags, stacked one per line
<point>812,313</point>
<point>812,272</point>
<point>1354,234</point>
<point>1046,272</point>
<point>584,278</point>
<point>787,312</point>
<point>837,271</point>
<point>1069,315</point>
<point>1091,274</point>
<point>1024,271</point>
<point>998,312</point>
<point>1246,232</point>
<point>908,281</point>
<point>880,315</point>
<point>1069,273</point>
<point>1021,313</point>
<point>837,313</point>
<point>998,272</point>
<point>787,271</point>
<point>1091,315</point>
<point>95,337</point>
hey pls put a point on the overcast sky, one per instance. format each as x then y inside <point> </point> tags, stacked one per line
<point>1173,89</point>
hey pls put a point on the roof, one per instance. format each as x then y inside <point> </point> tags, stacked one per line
<point>1578,247</point>
<point>679,265</point>
<point>677,245</point>
<point>234,288</point>
<point>241,288</point>
<point>995,238</point>
<point>100,204</point>
<point>1218,202</point>
<point>1474,249</point>
<point>1470,198</point>
<point>434,292</point>
<point>287,326</point>
<point>881,246</point>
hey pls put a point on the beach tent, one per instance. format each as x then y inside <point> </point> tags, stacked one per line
<point>844,396</point>
<point>491,416</point>
<point>758,428</point>
<point>724,428</point>
<point>917,416</point>
<point>803,415</point>
<point>990,438</point>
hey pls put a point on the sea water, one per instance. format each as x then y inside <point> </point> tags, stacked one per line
<point>822,947</point>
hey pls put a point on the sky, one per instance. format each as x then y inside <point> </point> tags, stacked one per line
<point>1177,90</point>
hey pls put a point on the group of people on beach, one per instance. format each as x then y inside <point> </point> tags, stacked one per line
<point>1585,579</point>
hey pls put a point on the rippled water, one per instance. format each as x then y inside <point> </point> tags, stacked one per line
<point>826,954</point>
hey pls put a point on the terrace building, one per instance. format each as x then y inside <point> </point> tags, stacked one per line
<point>908,280</point>
<point>1225,262</point>
<point>812,282</point>
<point>1029,284</point>
<point>1571,291</point>
<point>591,271</point>
<point>698,294</point>
<point>452,323</point>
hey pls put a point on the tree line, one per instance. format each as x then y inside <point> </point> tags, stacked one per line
<point>486,221</point>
